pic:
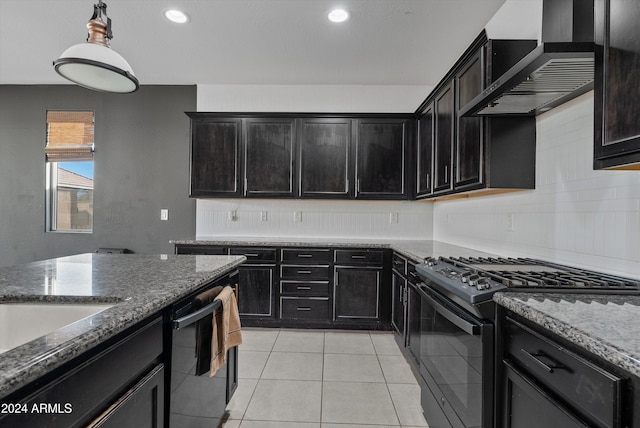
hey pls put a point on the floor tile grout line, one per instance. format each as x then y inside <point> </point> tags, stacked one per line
<point>259,378</point>
<point>386,384</point>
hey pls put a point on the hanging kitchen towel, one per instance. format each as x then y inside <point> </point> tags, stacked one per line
<point>204,330</point>
<point>226,329</point>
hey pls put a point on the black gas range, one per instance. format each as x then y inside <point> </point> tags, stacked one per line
<point>457,326</point>
<point>472,281</point>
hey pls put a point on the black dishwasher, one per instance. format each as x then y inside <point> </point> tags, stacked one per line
<point>198,400</point>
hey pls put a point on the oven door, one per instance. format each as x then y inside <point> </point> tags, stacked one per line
<point>456,364</point>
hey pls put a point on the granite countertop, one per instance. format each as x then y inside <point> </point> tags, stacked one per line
<point>605,325</point>
<point>137,286</point>
<point>417,250</point>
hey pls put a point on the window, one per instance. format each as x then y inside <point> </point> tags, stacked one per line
<point>69,155</point>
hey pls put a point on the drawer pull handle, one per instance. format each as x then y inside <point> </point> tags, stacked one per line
<point>358,257</point>
<point>305,256</point>
<point>537,357</point>
<point>303,308</point>
<point>251,255</point>
<point>305,272</point>
<point>303,288</point>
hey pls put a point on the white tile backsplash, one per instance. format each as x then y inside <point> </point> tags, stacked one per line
<point>575,215</point>
<point>320,218</point>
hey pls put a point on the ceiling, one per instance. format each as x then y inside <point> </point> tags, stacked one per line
<point>386,42</point>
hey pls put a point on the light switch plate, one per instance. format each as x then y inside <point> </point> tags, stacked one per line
<point>263,215</point>
<point>393,218</point>
<point>164,214</point>
<point>297,216</point>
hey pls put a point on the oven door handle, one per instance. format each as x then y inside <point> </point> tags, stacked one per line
<point>196,316</point>
<point>466,326</point>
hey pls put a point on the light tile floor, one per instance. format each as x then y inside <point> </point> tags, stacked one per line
<point>323,379</point>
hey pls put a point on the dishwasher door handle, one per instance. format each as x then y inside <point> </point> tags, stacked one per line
<point>197,315</point>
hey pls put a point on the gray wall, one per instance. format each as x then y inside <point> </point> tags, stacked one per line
<point>141,165</point>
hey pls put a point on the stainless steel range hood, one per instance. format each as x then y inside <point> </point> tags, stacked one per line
<point>559,69</point>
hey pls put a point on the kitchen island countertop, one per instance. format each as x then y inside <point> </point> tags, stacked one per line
<point>136,285</point>
<point>604,325</point>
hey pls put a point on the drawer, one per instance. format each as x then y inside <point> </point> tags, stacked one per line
<point>314,256</point>
<point>201,249</point>
<point>305,288</point>
<point>304,272</point>
<point>255,254</point>
<point>399,264</point>
<point>359,256</point>
<point>305,308</point>
<point>580,383</point>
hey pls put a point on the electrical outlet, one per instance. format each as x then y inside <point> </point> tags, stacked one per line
<point>510,222</point>
<point>297,216</point>
<point>164,214</point>
<point>233,215</point>
<point>393,218</point>
<point>263,216</point>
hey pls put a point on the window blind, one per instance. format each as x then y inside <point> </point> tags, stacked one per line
<point>69,136</point>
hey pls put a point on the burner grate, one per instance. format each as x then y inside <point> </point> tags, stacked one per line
<point>530,273</point>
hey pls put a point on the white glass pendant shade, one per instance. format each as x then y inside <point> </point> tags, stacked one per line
<point>96,67</point>
<point>94,64</point>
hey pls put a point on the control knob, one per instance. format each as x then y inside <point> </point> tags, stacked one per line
<point>473,279</point>
<point>483,284</point>
<point>464,276</point>
<point>431,261</point>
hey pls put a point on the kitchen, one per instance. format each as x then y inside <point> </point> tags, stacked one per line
<point>576,215</point>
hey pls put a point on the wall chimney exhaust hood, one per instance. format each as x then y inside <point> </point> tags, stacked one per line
<point>559,69</point>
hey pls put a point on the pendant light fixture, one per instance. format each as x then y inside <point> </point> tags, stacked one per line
<point>94,64</point>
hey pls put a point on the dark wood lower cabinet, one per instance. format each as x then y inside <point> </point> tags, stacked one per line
<point>256,291</point>
<point>357,291</point>
<point>413,321</point>
<point>140,407</point>
<point>398,295</point>
<point>120,383</point>
<point>310,287</point>
<point>525,405</point>
<point>542,380</point>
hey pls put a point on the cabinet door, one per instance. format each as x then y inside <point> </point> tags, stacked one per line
<point>380,152</point>
<point>526,405</point>
<point>425,152</point>
<point>357,291</point>
<point>255,290</point>
<point>413,320</point>
<point>469,138</point>
<point>269,157</point>
<point>443,139</point>
<point>215,157</point>
<point>324,157</point>
<point>398,290</point>
<point>616,94</point>
<point>141,406</point>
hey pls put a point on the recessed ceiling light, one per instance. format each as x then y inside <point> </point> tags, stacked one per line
<point>175,15</point>
<point>338,15</point>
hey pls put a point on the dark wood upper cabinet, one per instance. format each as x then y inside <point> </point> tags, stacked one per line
<point>425,153</point>
<point>269,157</point>
<point>469,82</point>
<point>474,155</point>
<point>215,157</point>
<point>443,144</point>
<point>324,157</point>
<point>381,145</point>
<point>304,155</point>
<point>616,88</point>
